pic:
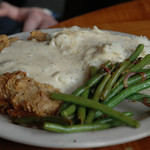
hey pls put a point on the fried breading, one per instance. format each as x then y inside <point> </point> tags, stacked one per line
<point>23,96</point>
<point>4,42</point>
<point>13,39</point>
<point>38,35</point>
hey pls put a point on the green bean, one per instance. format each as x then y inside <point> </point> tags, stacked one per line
<point>78,128</point>
<point>107,65</point>
<point>96,106</point>
<point>93,71</point>
<point>62,107</point>
<point>127,69</point>
<point>82,128</point>
<point>91,82</point>
<point>113,79</point>
<point>137,52</point>
<point>131,81</point>
<point>138,96</point>
<point>132,58</point>
<point>85,94</point>
<point>131,65</point>
<point>145,61</point>
<point>109,119</point>
<point>68,111</point>
<point>34,120</point>
<point>100,87</point>
<point>104,120</point>
<point>91,113</point>
<point>126,93</point>
<point>143,70</point>
<point>143,98</point>
<point>81,109</point>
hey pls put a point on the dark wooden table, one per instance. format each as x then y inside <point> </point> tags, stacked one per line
<point>132,17</point>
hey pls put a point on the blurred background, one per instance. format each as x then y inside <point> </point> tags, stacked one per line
<point>67,8</point>
<point>62,10</point>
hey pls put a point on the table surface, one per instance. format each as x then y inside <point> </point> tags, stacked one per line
<point>131,17</point>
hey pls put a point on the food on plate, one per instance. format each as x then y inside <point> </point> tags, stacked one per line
<point>5,41</point>
<point>23,96</point>
<point>38,35</point>
<point>34,69</point>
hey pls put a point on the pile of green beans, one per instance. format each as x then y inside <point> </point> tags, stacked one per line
<point>91,106</point>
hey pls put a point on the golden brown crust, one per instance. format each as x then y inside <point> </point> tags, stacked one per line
<point>38,35</point>
<point>13,39</point>
<point>4,42</point>
<point>23,96</point>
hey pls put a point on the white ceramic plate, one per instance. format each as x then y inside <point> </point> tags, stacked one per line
<point>36,137</point>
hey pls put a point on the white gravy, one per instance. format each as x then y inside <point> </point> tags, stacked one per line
<point>64,60</point>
